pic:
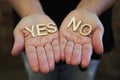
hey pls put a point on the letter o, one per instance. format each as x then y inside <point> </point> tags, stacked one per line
<point>83,26</point>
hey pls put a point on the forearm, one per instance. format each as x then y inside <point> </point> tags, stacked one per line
<point>26,7</point>
<point>96,6</point>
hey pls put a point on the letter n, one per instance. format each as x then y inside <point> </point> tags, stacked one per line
<point>73,22</point>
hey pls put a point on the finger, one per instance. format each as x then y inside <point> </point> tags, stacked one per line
<point>68,51</point>
<point>76,57</point>
<point>32,57</point>
<point>86,55</point>
<point>97,40</point>
<point>50,56</point>
<point>63,42</point>
<point>18,43</point>
<point>56,50</point>
<point>43,64</point>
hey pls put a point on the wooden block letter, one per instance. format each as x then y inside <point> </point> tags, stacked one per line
<point>73,22</point>
<point>41,29</point>
<point>31,31</point>
<point>51,28</point>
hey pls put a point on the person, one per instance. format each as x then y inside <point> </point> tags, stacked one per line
<point>62,53</point>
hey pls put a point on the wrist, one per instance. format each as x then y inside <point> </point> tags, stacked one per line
<point>30,8</point>
<point>32,12</point>
<point>89,7</point>
<point>96,6</point>
<point>87,10</point>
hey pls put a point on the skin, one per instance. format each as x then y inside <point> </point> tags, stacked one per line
<point>75,48</point>
<point>78,49</point>
<point>43,51</point>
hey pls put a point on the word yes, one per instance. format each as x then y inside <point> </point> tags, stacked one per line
<point>42,29</point>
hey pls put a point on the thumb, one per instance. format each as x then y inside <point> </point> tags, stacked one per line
<point>18,42</point>
<point>97,40</point>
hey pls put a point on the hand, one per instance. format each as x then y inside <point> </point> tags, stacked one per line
<point>42,51</point>
<point>75,48</point>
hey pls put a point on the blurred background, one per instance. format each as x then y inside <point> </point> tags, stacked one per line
<point>13,68</point>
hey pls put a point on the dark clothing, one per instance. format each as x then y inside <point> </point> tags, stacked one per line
<point>57,10</point>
